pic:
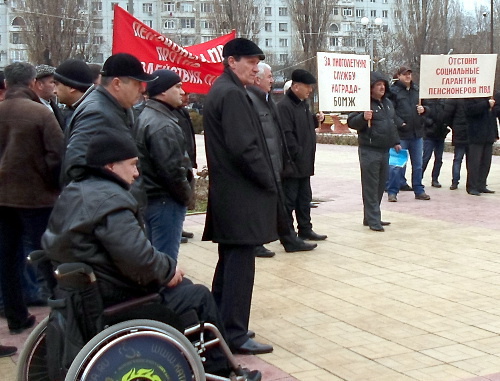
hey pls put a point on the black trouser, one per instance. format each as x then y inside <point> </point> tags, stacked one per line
<point>298,196</point>
<point>374,164</point>
<point>478,166</point>
<point>232,288</point>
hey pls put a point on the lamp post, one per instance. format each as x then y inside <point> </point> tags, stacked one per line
<point>491,27</point>
<point>369,27</point>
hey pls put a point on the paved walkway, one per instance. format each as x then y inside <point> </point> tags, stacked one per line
<point>417,302</point>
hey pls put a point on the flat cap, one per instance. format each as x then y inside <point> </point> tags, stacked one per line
<point>125,65</point>
<point>44,71</point>
<point>241,47</point>
<point>74,73</point>
<point>303,76</point>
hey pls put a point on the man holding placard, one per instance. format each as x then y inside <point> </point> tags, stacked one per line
<point>377,133</point>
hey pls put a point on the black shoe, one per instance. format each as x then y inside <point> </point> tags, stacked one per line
<point>473,192</point>
<point>313,205</point>
<point>436,184</point>
<point>298,245</point>
<point>7,351</point>
<point>251,334</point>
<point>377,228</point>
<point>249,375</point>
<point>422,196</point>
<point>312,236</point>
<point>28,323</point>
<point>262,252</point>
<point>187,234</point>
<point>252,347</point>
<point>453,186</point>
<point>486,190</point>
<point>406,188</point>
<point>383,223</point>
<point>184,240</point>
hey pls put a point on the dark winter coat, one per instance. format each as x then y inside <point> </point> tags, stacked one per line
<point>383,133</point>
<point>187,127</point>
<point>31,146</point>
<point>95,221</point>
<point>165,167</point>
<point>405,103</point>
<point>434,125</point>
<point>299,127</point>
<point>454,116</point>
<point>268,115</point>
<point>482,121</point>
<point>243,198</point>
<point>98,111</point>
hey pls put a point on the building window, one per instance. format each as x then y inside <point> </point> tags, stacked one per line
<point>334,28</point>
<point>348,41</point>
<point>255,10</point>
<point>205,24</point>
<point>186,7</point>
<point>283,57</point>
<point>269,42</point>
<point>168,6</point>
<point>385,28</point>
<point>347,12</point>
<point>113,6</point>
<point>284,42</point>
<point>268,11</point>
<point>81,39</point>
<point>385,14</point>
<point>18,21</point>
<point>206,7</point>
<point>99,57</point>
<point>17,38</point>
<point>283,27</point>
<point>373,13</point>
<point>96,6</point>
<point>347,27</point>
<point>360,43</point>
<point>98,40</point>
<point>283,11</point>
<point>335,11</point>
<point>360,12</point>
<point>169,24</point>
<point>372,1</point>
<point>397,14</point>
<point>147,8</point>
<point>335,41</point>
<point>268,27</point>
<point>206,38</point>
<point>187,23</point>
<point>148,23</point>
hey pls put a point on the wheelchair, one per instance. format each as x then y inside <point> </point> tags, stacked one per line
<point>132,350</point>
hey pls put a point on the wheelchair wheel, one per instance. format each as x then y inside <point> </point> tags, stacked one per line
<point>137,350</point>
<point>32,364</point>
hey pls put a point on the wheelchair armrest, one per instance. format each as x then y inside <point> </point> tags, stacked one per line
<point>130,304</point>
<point>74,275</point>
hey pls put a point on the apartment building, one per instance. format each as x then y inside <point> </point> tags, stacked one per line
<point>191,22</point>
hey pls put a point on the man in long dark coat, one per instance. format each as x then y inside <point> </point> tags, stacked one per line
<point>243,197</point>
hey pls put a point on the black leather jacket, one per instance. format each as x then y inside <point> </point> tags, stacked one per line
<point>410,124</point>
<point>95,221</point>
<point>165,165</point>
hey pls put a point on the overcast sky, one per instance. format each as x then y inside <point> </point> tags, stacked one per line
<point>471,4</point>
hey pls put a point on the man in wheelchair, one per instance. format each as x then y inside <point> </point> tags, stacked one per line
<point>96,221</point>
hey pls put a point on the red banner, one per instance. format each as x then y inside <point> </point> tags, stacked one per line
<point>197,65</point>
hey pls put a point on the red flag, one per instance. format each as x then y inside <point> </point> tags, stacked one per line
<point>197,65</point>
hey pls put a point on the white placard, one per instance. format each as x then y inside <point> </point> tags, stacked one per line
<point>457,75</point>
<point>343,82</point>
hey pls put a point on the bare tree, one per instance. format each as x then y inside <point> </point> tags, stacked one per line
<point>423,27</point>
<point>57,30</point>
<point>241,15</point>
<point>312,20</point>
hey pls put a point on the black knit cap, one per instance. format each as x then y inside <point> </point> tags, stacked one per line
<point>303,76</point>
<point>241,47</point>
<point>108,147</point>
<point>125,65</point>
<point>75,74</point>
<point>166,79</point>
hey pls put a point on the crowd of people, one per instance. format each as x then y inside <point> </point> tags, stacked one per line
<point>107,179</point>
